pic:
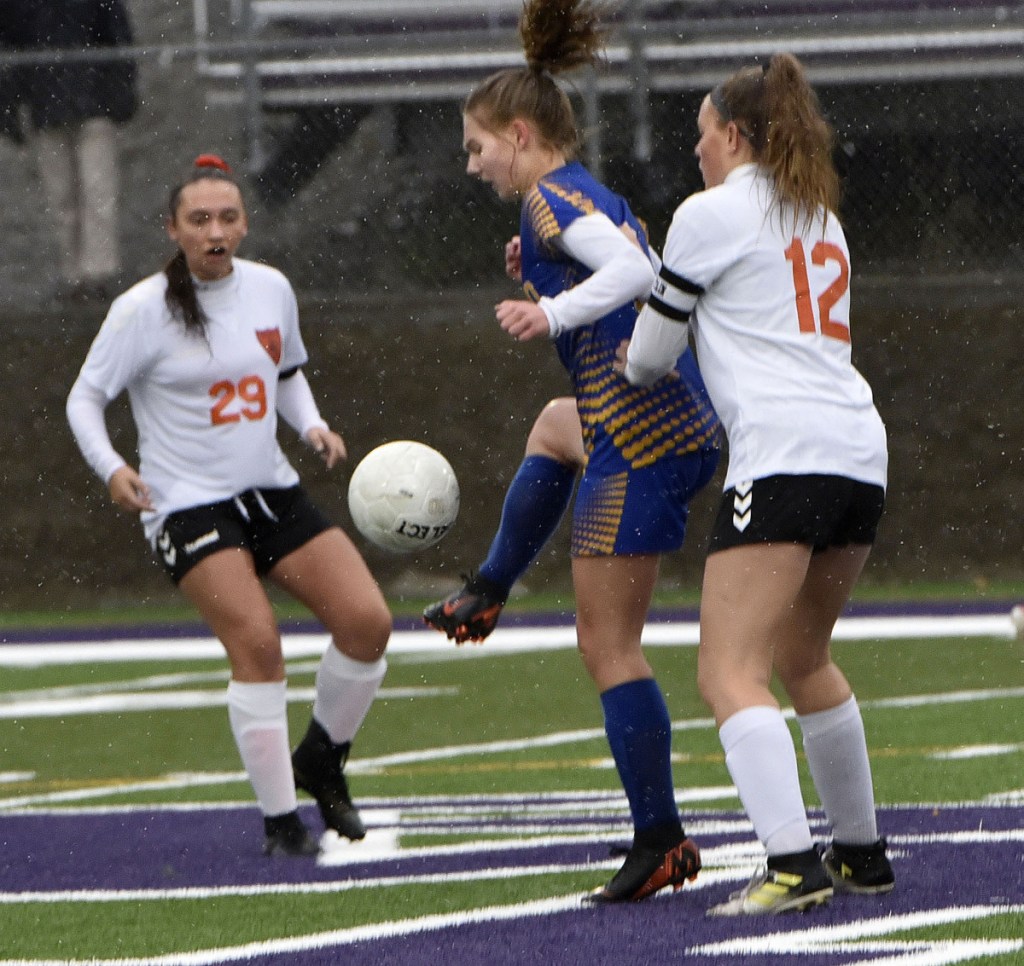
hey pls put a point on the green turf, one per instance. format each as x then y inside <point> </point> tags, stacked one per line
<point>493,699</point>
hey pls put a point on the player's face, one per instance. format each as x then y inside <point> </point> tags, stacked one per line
<point>712,148</point>
<point>490,156</point>
<point>208,226</point>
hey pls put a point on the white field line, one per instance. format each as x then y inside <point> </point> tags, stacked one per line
<point>847,938</point>
<point>451,752</point>
<point>511,640</point>
<point>119,702</point>
<point>153,691</point>
<point>328,940</point>
<point>977,751</point>
<point>810,941</point>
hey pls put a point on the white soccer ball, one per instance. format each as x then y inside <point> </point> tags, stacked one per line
<point>403,496</point>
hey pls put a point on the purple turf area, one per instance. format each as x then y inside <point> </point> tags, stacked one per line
<point>944,856</point>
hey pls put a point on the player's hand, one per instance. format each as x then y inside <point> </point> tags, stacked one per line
<point>514,259</point>
<point>128,490</point>
<point>328,444</point>
<point>619,365</point>
<point>627,229</point>
<point>522,319</point>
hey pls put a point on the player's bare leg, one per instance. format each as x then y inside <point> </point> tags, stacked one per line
<point>330,577</point>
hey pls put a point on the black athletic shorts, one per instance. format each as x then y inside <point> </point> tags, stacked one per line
<point>270,523</point>
<point>816,510</point>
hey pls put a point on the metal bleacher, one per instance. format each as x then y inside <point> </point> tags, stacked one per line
<point>326,64</point>
<point>289,53</point>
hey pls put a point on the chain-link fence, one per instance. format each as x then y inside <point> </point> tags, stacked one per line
<point>346,116</point>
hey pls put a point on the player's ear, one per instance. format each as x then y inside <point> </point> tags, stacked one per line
<point>521,132</point>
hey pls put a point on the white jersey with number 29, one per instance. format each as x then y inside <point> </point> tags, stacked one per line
<point>204,404</point>
<point>769,301</point>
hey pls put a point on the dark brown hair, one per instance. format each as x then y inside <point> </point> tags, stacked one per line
<point>557,36</point>
<point>181,295</point>
<point>776,109</point>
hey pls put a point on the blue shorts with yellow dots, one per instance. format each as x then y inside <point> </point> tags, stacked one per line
<point>639,511</point>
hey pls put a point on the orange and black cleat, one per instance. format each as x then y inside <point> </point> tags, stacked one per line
<point>470,614</point>
<point>648,870</point>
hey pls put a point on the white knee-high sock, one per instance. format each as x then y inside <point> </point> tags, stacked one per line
<point>259,722</point>
<point>761,759</point>
<point>837,755</point>
<point>345,689</point>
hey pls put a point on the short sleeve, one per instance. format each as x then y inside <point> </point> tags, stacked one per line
<point>551,208</point>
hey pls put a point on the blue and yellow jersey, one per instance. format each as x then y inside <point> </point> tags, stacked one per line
<point>624,427</point>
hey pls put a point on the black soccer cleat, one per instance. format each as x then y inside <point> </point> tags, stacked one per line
<point>470,614</point>
<point>863,869</point>
<point>319,768</point>
<point>287,835</point>
<point>790,883</point>
<point>649,869</point>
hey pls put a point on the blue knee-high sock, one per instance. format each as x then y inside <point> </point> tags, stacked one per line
<point>536,499</point>
<point>639,733</point>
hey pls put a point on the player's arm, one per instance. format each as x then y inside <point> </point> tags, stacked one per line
<point>622,273</point>
<point>86,406</point>
<point>297,407</point>
<point>662,331</point>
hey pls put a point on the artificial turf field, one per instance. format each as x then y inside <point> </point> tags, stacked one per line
<point>128,834</point>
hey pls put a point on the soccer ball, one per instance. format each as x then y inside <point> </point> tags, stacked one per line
<point>403,496</point>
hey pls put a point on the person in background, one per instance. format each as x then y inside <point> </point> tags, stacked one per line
<point>757,265</point>
<point>72,109</point>
<point>647,451</point>
<point>210,353</point>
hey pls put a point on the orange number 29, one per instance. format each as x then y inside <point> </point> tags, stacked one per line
<point>822,253</point>
<point>252,395</point>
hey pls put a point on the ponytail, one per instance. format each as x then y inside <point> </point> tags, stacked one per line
<point>778,111</point>
<point>181,295</point>
<point>557,36</point>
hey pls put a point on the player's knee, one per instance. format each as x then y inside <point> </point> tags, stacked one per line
<point>718,686</point>
<point>378,629</point>
<point>256,658</point>
<point>556,433</point>
<point>366,632</point>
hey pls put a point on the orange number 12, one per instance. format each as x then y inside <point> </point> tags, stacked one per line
<point>822,253</point>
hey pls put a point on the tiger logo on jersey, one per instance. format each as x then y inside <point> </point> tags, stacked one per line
<point>270,339</point>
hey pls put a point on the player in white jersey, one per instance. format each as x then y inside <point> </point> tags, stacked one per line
<point>758,267</point>
<point>209,352</point>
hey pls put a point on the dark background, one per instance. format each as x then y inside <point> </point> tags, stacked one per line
<point>436,368</point>
<point>396,257</point>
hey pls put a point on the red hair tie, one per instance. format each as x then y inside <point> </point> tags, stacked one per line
<point>212,161</point>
